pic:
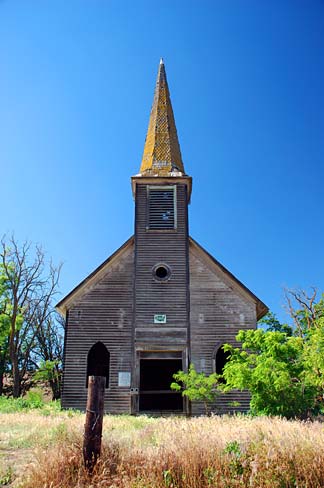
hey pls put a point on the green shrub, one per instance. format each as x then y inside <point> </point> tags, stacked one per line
<point>33,400</point>
<point>197,386</point>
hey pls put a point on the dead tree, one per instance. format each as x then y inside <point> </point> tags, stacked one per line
<point>304,308</point>
<point>30,289</point>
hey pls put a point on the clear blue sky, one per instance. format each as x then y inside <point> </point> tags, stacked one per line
<point>246,82</point>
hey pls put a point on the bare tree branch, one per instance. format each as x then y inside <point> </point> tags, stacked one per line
<point>302,308</point>
<point>32,286</point>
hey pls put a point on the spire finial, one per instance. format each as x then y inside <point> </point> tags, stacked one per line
<point>162,154</point>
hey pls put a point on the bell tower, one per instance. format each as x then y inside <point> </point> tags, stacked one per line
<point>161,283</point>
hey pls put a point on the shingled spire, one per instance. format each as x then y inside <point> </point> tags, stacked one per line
<point>162,155</point>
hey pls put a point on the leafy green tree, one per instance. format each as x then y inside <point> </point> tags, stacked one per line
<point>282,366</point>
<point>313,357</point>
<point>272,324</point>
<point>51,372</point>
<point>271,366</point>
<point>6,310</point>
<point>4,326</point>
<point>197,386</point>
<point>48,353</point>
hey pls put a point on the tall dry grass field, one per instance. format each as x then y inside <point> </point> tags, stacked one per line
<point>23,434</point>
<point>144,452</point>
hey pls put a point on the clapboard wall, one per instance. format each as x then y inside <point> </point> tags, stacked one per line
<point>103,313</point>
<point>218,310</point>
<point>152,297</point>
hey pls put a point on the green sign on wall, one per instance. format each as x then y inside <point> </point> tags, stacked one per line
<point>160,318</point>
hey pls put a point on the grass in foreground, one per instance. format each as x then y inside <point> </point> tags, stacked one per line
<point>27,424</point>
<point>142,452</point>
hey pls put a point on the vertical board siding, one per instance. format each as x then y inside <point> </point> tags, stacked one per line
<point>104,313</point>
<point>217,313</point>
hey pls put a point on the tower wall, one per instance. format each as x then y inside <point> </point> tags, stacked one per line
<point>161,246</point>
<point>169,298</point>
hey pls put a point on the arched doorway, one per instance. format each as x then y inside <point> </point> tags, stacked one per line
<point>221,358</point>
<point>98,362</point>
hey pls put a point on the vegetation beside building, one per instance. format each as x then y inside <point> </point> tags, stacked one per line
<point>31,332</point>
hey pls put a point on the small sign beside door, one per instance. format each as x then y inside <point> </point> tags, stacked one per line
<point>160,318</point>
<point>124,378</point>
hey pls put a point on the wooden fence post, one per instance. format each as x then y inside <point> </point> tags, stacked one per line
<point>93,423</point>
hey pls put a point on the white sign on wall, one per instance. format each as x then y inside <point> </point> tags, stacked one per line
<point>124,378</point>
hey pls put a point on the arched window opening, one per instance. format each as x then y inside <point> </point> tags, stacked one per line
<point>98,362</point>
<point>221,359</point>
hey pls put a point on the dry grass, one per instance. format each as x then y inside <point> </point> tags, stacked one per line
<point>179,453</point>
<point>22,433</point>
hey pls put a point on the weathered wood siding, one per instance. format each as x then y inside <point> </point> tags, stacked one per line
<point>153,297</point>
<point>218,310</point>
<point>104,313</point>
<point>204,305</point>
<point>171,297</point>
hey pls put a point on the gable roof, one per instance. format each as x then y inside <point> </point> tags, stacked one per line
<point>261,308</point>
<point>99,272</point>
<point>92,278</point>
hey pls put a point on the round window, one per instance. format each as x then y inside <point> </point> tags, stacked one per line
<point>161,272</point>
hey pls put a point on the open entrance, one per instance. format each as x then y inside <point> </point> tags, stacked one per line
<point>221,358</point>
<point>156,376</point>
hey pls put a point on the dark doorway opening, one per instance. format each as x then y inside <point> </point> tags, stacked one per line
<point>156,376</point>
<point>221,359</point>
<point>98,362</point>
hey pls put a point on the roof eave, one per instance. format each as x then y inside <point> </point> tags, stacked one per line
<point>261,308</point>
<point>63,305</point>
<point>169,180</point>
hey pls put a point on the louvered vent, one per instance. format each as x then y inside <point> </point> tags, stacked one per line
<point>161,208</point>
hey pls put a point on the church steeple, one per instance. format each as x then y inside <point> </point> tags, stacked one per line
<point>162,155</point>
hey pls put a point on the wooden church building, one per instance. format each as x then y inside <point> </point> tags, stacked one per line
<point>160,302</point>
